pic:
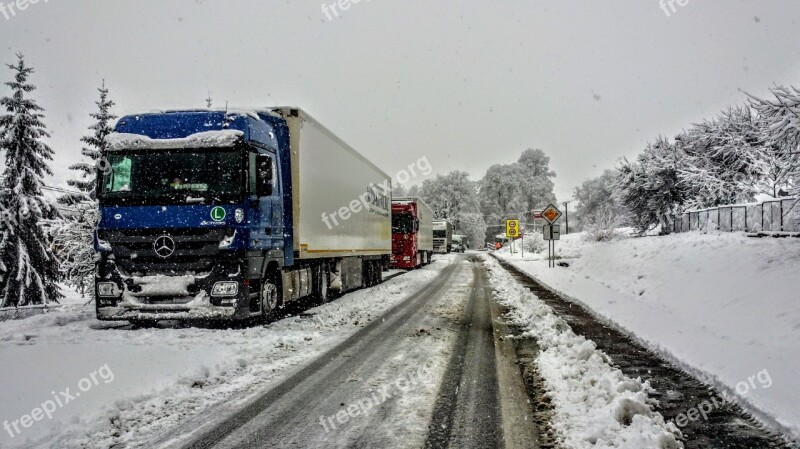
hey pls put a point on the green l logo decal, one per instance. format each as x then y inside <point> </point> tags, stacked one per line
<point>218,214</point>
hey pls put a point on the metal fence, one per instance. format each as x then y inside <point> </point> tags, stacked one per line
<point>774,217</point>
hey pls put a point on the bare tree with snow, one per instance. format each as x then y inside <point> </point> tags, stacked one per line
<point>454,197</point>
<point>651,188</point>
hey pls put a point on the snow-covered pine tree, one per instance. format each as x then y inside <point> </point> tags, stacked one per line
<point>95,145</point>
<point>74,237</point>
<point>28,267</point>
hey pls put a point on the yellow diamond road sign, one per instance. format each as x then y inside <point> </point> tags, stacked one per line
<point>512,228</point>
<point>551,214</point>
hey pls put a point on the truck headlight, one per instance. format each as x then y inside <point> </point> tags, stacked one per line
<point>108,290</point>
<point>226,288</point>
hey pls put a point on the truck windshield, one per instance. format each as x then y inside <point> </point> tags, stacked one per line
<point>195,176</point>
<point>440,234</point>
<point>402,224</point>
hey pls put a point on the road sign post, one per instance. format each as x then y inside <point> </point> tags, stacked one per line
<point>552,233</point>
<point>512,231</point>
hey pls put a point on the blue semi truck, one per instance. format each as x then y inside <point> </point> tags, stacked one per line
<point>230,215</point>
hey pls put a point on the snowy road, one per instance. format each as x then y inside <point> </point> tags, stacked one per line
<point>381,387</point>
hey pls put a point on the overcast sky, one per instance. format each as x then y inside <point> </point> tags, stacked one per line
<point>466,83</point>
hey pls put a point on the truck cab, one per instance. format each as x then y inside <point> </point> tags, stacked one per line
<point>412,233</point>
<point>442,237</point>
<point>200,214</point>
<point>459,243</point>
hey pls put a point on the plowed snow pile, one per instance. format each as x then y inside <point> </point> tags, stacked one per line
<point>596,406</point>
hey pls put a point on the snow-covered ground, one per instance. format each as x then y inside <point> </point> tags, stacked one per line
<point>595,405</point>
<point>724,306</point>
<point>128,386</point>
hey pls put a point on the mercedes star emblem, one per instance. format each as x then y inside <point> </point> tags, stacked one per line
<point>164,246</point>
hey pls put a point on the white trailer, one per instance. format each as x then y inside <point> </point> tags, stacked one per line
<point>442,237</point>
<point>344,204</point>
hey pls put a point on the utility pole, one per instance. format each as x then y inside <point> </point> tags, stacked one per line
<point>566,215</point>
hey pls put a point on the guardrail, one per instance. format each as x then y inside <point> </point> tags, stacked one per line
<point>770,217</point>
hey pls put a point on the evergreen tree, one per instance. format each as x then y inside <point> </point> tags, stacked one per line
<point>28,267</point>
<point>95,145</point>
<point>74,238</point>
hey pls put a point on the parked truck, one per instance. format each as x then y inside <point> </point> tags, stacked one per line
<point>459,243</point>
<point>231,215</point>
<point>442,237</point>
<point>412,233</point>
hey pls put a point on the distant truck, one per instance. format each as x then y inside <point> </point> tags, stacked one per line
<point>442,237</point>
<point>231,215</point>
<point>459,243</point>
<point>412,233</point>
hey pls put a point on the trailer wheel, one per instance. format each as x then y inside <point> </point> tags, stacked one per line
<point>373,273</point>
<point>269,301</point>
<point>322,283</point>
<point>369,274</point>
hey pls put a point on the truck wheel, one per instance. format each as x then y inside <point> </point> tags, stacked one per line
<point>269,301</point>
<point>322,293</point>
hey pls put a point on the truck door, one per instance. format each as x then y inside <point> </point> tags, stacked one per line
<point>265,201</point>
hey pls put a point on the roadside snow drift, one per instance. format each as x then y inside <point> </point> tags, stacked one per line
<point>724,306</point>
<point>596,405</point>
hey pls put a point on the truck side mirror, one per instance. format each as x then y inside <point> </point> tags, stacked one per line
<point>264,175</point>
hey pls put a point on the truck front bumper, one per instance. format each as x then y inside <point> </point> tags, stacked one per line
<point>402,261</point>
<point>173,297</point>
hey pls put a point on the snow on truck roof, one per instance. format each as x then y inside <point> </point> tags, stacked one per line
<point>207,139</point>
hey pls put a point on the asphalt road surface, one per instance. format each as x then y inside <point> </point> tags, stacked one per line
<point>430,373</point>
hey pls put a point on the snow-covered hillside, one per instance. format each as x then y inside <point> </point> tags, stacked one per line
<point>724,306</point>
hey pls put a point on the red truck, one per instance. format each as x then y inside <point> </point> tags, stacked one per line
<point>412,233</point>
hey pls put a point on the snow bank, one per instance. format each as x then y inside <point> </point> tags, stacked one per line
<point>208,139</point>
<point>723,306</point>
<point>596,405</point>
<point>162,376</point>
